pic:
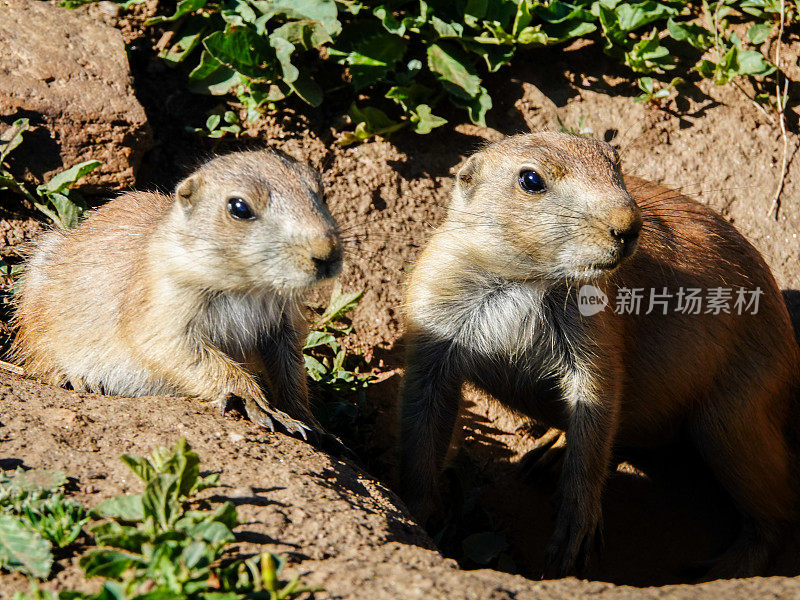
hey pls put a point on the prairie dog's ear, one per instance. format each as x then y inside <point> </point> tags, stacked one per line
<point>186,192</point>
<point>466,176</point>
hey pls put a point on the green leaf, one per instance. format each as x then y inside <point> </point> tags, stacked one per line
<point>239,13</point>
<point>318,338</point>
<point>322,11</point>
<point>648,55</point>
<point>307,89</point>
<point>56,518</point>
<point>212,77</point>
<point>389,22</point>
<point>52,214</point>
<point>728,67</point>
<point>124,508</point>
<point>495,56</point>
<point>315,369</point>
<point>370,121</point>
<point>212,122</point>
<point>759,32</point>
<point>126,537</point>
<point>190,37</point>
<point>105,562</point>
<point>22,549</point>
<point>213,533</point>
<point>633,16</point>
<point>283,52</point>
<point>424,121</point>
<point>454,70</point>
<point>188,472</point>
<point>197,554</point>
<point>244,51</point>
<point>562,21</point>
<point>68,208</point>
<point>697,36</point>
<point>306,34</point>
<point>183,8</point>
<point>752,62</point>
<point>410,96</point>
<point>370,59</point>
<point>141,467</point>
<point>476,107</point>
<point>159,501</point>
<point>34,480</point>
<point>474,11</point>
<point>12,137</point>
<point>65,179</point>
<point>533,36</point>
<point>341,303</point>
<point>445,29</point>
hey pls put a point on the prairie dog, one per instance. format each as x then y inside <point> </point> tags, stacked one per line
<point>493,300</point>
<point>191,294</point>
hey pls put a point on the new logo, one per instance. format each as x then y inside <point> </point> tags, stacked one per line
<point>591,300</point>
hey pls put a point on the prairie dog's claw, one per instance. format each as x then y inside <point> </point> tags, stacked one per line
<point>267,417</point>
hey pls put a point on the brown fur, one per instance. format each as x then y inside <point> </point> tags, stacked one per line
<point>492,301</point>
<point>154,294</point>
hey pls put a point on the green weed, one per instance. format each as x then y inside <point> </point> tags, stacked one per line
<point>218,126</point>
<point>401,59</point>
<point>35,516</point>
<point>653,92</point>
<point>580,129</point>
<point>333,370</point>
<point>162,544</point>
<point>53,198</point>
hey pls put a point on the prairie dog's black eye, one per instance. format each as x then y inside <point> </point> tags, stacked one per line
<point>240,210</point>
<point>531,182</point>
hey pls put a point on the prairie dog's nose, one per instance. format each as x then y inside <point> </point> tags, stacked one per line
<point>326,253</point>
<point>624,225</point>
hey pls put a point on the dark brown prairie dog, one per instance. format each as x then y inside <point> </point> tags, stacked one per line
<point>193,294</point>
<point>493,300</point>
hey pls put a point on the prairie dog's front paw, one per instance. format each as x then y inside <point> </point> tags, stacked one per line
<point>572,542</point>
<point>266,416</point>
<point>261,413</point>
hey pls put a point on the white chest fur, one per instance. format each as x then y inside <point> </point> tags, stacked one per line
<point>235,322</point>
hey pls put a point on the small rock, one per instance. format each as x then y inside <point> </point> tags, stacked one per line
<point>69,74</point>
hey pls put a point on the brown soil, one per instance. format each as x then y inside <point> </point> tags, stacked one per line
<point>342,528</point>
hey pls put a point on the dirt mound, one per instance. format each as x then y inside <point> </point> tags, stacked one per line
<point>340,527</point>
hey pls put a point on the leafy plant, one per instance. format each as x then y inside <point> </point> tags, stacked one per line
<point>158,545</point>
<point>9,275</point>
<point>218,126</point>
<point>653,92</point>
<point>327,360</point>
<point>53,198</point>
<point>155,542</point>
<point>580,129</point>
<point>34,517</point>
<point>399,59</point>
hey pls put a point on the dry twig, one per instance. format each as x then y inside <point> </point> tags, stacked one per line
<point>781,98</point>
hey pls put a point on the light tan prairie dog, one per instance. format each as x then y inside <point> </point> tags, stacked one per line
<point>494,300</point>
<point>192,294</point>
